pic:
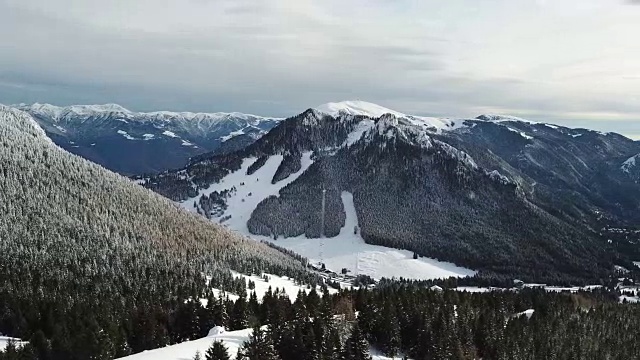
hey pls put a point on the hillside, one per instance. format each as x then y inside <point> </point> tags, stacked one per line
<point>131,142</point>
<point>90,259</point>
<point>497,194</point>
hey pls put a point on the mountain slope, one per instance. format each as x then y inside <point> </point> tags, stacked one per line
<point>89,257</point>
<point>132,143</point>
<point>475,192</point>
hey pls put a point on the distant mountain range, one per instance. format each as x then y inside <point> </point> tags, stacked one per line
<point>498,194</point>
<point>135,142</point>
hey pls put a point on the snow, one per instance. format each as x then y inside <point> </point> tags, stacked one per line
<point>356,107</point>
<point>126,135</point>
<point>233,340</point>
<point>240,204</point>
<point>476,289</point>
<point>528,313</point>
<point>232,134</point>
<point>629,299</point>
<point>636,263</point>
<point>281,282</point>
<point>60,128</point>
<point>361,128</point>
<point>187,350</point>
<point>186,143</point>
<point>576,135</point>
<point>217,330</point>
<point>4,340</point>
<point>348,250</point>
<point>630,163</point>
<point>523,134</point>
<point>169,134</point>
<point>148,136</point>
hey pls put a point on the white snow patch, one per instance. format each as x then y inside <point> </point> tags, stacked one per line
<point>551,126</point>
<point>4,341</point>
<point>187,143</point>
<point>527,313</point>
<point>126,135</point>
<point>169,134</point>
<point>148,136</point>
<point>348,250</point>
<point>356,107</point>
<point>629,163</point>
<point>361,128</point>
<point>636,263</point>
<point>523,134</point>
<point>232,134</point>
<point>60,128</point>
<point>576,135</point>
<point>240,205</point>
<point>233,340</point>
<point>187,350</point>
<point>629,299</point>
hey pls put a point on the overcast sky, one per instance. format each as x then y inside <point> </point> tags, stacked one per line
<point>574,62</point>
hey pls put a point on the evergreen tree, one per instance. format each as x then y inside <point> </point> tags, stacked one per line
<point>217,351</point>
<point>258,347</point>
<point>356,347</point>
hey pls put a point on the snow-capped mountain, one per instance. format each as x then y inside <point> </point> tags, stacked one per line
<point>495,193</point>
<point>134,142</point>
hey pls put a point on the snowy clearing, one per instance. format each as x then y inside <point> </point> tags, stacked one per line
<point>187,350</point>
<point>169,134</point>
<point>283,283</point>
<point>636,263</point>
<point>4,340</point>
<point>256,188</point>
<point>348,250</point>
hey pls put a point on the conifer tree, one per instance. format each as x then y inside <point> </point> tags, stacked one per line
<point>217,351</point>
<point>356,347</point>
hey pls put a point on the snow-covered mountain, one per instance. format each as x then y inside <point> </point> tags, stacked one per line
<point>495,193</point>
<point>135,142</point>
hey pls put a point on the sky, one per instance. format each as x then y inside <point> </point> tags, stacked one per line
<point>572,62</point>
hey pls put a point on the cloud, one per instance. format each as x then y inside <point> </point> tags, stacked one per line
<point>552,60</point>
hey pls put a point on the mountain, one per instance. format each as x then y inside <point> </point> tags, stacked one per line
<point>497,194</point>
<point>133,142</point>
<point>631,167</point>
<point>97,265</point>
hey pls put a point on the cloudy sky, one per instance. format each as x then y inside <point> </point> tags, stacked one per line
<point>575,62</point>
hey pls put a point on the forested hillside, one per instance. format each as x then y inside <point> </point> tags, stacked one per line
<point>90,261</point>
<point>500,195</point>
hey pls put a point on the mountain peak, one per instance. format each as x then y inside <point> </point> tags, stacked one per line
<point>356,107</point>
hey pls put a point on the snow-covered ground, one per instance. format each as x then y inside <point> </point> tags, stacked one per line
<point>256,188</point>
<point>187,350</point>
<point>347,250</point>
<point>4,340</point>
<point>637,263</point>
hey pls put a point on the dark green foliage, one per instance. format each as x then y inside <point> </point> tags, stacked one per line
<point>217,351</point>
<point>93,265</point>
<point>258,347</point>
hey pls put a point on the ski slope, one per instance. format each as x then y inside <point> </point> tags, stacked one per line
<point>187,350</point>
<point>256,188</point>
<point>347,250</point>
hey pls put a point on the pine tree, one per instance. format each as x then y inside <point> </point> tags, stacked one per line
<point>258,347</point>
<point>217,351</point>
<point>356,347</point>
<point>197,356</point>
